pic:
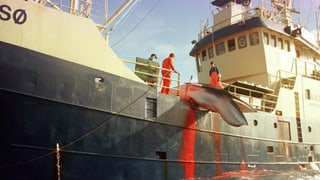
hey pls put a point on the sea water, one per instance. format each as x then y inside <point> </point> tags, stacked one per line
<point>276,175</point>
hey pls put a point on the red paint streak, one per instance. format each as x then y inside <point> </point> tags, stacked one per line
<point>187,150</point>
<point>217,144</point>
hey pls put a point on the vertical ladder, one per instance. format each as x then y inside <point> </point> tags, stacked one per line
<point>297,104</point>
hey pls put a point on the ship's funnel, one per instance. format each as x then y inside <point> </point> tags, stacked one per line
<point>217,100</point>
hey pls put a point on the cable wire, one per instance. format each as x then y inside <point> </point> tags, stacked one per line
<point>80,137</point>
<point>135,26</point>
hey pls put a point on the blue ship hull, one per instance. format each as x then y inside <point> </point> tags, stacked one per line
<point>96,142</point>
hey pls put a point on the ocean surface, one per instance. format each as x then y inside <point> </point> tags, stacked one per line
<point>274,175</point>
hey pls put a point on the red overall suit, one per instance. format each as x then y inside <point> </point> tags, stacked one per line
<point>214,77</point>
<point>166,74</point>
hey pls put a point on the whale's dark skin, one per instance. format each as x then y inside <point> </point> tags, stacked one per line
<point>228,106</point>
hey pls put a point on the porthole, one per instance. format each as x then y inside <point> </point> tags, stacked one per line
<point>99,80</point>
<point>255,122</point>
<point>309,129</point>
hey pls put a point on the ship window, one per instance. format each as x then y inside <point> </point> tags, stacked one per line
<point>210,50</point>
<point>151,108</point>
<point>273,41</point>
<point>308,94</point>
<point>242,42</point>
<point>161,155</point>
<point>287,45</point>
<point>280,43</point>
<point>254,38</point>
<point>231,45</point>
<point>204,55</point>
<point>266,38</point>
<point>270,149</point>
<point>199,64</point>
<point>220,48</point>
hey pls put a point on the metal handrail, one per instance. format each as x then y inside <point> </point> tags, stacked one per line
<point>266,104</point>
<point>283,79</point>
<point>259,10</point>
<point>159,77</point>
<point>268,100</point>
<point>95,10</point>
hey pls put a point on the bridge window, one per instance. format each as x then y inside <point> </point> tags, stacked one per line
<point>266,38</point>
<point>198,61</point>
<point>211,53</point>
<point>273,41</point>
<point>280,43</point>
<point>204,55</point>
<point>220,48</point>
<point>231,45</point>
<point>242,42</point>
<point>287,45</point>
<point>254,38</point>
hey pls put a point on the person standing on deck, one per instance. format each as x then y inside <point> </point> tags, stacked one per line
<point>215,76</point>
<point>153,71</point>
<point>153,57</point>
<point>167,67</point>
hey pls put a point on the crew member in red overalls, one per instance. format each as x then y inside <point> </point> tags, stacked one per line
<point>215,76</point>
<point>167,67</point>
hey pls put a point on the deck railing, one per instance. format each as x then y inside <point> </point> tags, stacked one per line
<point>175,80</point>
<point>265,101</point>
<point>97,10</point>
<point>264,9</point>
<point>262,101</point>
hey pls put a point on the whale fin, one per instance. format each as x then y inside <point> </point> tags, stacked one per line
<point>244,107</point>
<point>217,100</point>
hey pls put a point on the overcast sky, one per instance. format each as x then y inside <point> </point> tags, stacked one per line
<point>165,26</point>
